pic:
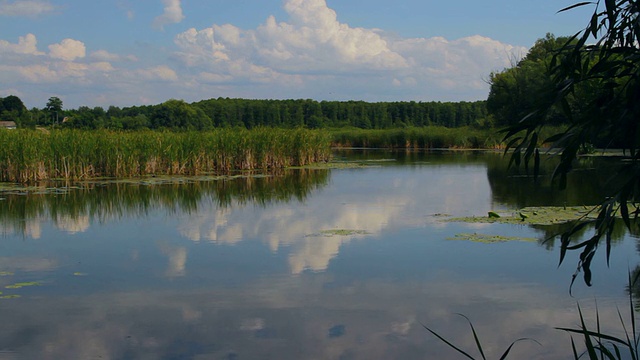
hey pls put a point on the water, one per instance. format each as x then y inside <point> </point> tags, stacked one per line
<point>326,264</point>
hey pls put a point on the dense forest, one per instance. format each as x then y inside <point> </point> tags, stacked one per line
<point>225,112</point>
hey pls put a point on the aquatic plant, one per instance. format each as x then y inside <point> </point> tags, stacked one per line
<point>430,137</point>
<point>29,156</point>
<point>478,344</point>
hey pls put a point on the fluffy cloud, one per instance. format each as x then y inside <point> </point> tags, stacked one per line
<point>25,8</point>
<point>26,45</point>
<point>65,63</point>
<point>314,42</point>
<point>172,14</point>
<point>68,50</point>
<point>313,49</point>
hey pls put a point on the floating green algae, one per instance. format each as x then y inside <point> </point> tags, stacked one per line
<point>80,274</point>
<point>489,239</point>
<point>343,232</point>
<point>540,215</point>
<point>22,284</point>
<point>6,273</point>
<point>339,232</point>
<point>9,297</point>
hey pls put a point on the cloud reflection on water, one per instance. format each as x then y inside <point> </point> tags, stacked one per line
<point>369,200</point>
<point>290,318</point>
<point>214,279</point>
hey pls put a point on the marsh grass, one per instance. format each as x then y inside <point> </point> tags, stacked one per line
<point>30,156</point>
<point>431,137</point>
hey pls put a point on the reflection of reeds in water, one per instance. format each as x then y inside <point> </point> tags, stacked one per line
<point>102,201</point>
<point>28,156</point>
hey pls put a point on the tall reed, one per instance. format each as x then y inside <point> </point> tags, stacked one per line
<point>28,156</point>
<point>419,138</point>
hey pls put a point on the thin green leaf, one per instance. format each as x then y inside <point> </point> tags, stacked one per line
<point>573,348</point>
<point>448,343</point>
<point>475,337</point>
<point>504,355</point>
<point>575,6</point>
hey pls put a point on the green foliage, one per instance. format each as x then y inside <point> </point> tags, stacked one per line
<point>519,90</point>
<point>600,67</point>
<point>225,112</point>
<point>54,104</point>
<point>13,109</point>
<point>177,114</point>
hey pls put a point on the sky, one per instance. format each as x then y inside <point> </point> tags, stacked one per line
<point>140,52</point>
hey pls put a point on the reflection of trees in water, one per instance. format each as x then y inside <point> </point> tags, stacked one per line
<point>634,287</point>
<point>588,184</point>
<point>104,201</point>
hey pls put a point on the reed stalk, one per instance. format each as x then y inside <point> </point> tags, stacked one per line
<point>29,156</point>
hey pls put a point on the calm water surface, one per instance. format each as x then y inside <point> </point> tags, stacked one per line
<point>257,269</point>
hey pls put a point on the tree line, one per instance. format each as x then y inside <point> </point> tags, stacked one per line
<point>515,93</point>
<point>225,112</point>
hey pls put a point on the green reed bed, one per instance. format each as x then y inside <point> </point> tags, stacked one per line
<point>29,156</point>
<point>431,137</point>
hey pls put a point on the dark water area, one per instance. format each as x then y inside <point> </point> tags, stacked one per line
<point>347,263</point>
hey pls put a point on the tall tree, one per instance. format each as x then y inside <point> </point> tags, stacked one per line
<point>54,104</point>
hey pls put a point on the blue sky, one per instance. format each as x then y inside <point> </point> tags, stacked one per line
<point>134,52</point>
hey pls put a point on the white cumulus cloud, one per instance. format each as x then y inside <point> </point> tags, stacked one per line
<point>313,41</point>
<point>313,49</point>
<point>68,50</point>
<point>26,45</point>
<point>25,7</point>
<point>172,14</point>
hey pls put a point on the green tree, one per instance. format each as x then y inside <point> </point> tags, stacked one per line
<point>54,109</point>
<point>519,90</point>
<point>13,103</point>
<point>604,58</point>
<point>177,114</point>
<point>54,104</point>
<point>13,109</point>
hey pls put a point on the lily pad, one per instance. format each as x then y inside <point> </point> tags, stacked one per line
<point>489,239</point>
<point>542,215</point>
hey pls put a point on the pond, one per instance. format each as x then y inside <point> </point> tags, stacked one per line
<point>341,263</point>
